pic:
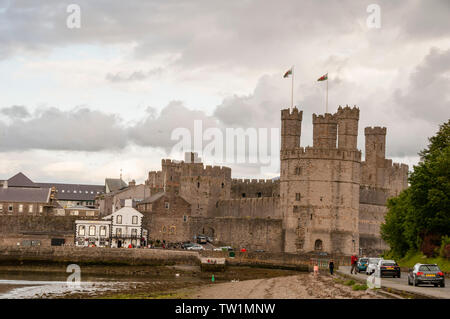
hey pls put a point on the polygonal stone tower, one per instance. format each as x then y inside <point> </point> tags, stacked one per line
<point>319,186</point>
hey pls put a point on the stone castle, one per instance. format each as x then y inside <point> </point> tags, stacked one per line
<point>326,200</point>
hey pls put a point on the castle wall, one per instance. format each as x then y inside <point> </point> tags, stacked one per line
<point>264,207</point>
<point>17,228</point>
<point>249,233</point>
<point>246,188</point>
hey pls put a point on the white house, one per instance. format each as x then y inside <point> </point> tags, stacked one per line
<point>120,229</point>
<point>93,232</point>
<point>126,227</point>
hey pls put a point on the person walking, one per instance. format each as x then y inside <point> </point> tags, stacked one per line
<point>331,266</point>
<point>354,260</point>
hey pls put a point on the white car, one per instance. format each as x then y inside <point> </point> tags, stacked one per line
<point>372,265</point>
<point>196,247</point>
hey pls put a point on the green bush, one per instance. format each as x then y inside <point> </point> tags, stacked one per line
<point>359,287</point>
<point>444,243</point>
<point>349,283</point>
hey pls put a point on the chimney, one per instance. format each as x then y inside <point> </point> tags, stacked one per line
<point>5,183</point>
<point>128,203</point>
<point>132,183</point>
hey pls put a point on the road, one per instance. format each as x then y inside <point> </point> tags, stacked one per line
<point>402,284</point>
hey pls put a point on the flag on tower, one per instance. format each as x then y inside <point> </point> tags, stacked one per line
<point>288,72</point>
<point>323,77</point>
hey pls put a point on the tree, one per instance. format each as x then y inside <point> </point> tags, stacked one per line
<point>421,213</point>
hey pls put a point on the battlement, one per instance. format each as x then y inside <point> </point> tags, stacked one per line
<point>169,162</point>
<point>217,171</point>
<point>377,130</point>
<point>295,114</point>
<point>236,181</point>
<point>327,118</point>
<point>347,112</point>
<point>396,168</point>
<point>315,153</point>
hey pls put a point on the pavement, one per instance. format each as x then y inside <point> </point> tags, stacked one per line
<point>402,284</point>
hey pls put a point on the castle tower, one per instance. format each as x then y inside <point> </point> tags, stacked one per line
<point>319,188</point>
<point>347,119</point>
<point>291,127</point>
<point>375,157</point>
<point>324,131</point>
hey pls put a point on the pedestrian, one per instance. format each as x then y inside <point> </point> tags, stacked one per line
<point>331,266</point>
<point>354,260</point>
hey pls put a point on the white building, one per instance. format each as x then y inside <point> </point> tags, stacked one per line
<point>120,229</point>
<point>93,232</point>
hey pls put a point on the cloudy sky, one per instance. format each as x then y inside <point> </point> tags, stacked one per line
<point>79,104</point>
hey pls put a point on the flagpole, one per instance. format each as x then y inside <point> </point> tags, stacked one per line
<point>326,108</point>
<point>292,89</point>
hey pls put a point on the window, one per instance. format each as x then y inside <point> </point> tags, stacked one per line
<point>20,208</point>
<point>223,185</point>
<point>30,208</point>
<point>243,194</point>
<point>185,218</point>
<point>298,170</point>
<point>172,229</point>
<point>259,194</point>
<point>1,208</point>
<point>41,208</point>
<point>198,184</point>
<point>62,191</point>
<point>10,208</point>
<point>166,204</point>
<point>74,213</point>
<point>81,230</point>
<point>133,232</point>
<point>91,230</point>
<point>164,229</point>
<point>135,220</point>
<point>298,196</point>
<point>119,219</point>
<point>103,231</point>
<point>119,232</point>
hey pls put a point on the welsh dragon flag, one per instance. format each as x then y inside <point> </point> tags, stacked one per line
<point>288,72</point>
<point>323,77</point>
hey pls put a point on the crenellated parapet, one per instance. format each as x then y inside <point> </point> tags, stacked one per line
<point>236,181</point>
<point>326,118</point>
<point>291,128</point>
<point>317,153</point>
<point>377,130</point>
<point>294,114</point>
<point>347,112</point>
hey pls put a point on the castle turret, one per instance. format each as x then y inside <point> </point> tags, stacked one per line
<point>324,131</point>
<point>347,119</point>
<point>375,155</point>
<point>291,127</point>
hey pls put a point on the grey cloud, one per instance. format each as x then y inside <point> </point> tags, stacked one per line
<point>155,130</point>
<point>427,96</point>
<point>15,111</point>
<point>134,76</point>
<point>52,129</point>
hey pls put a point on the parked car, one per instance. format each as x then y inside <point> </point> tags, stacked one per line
<point>186,245</point>
<point>372,265</point>
<point>388,268</point>
<point>196,247</point>
<point>362,264</point>
<point>426,274</point>
<point>224,248</point>
<point>201,239</point>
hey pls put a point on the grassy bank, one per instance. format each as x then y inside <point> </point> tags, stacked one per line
<point>413,258</point>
